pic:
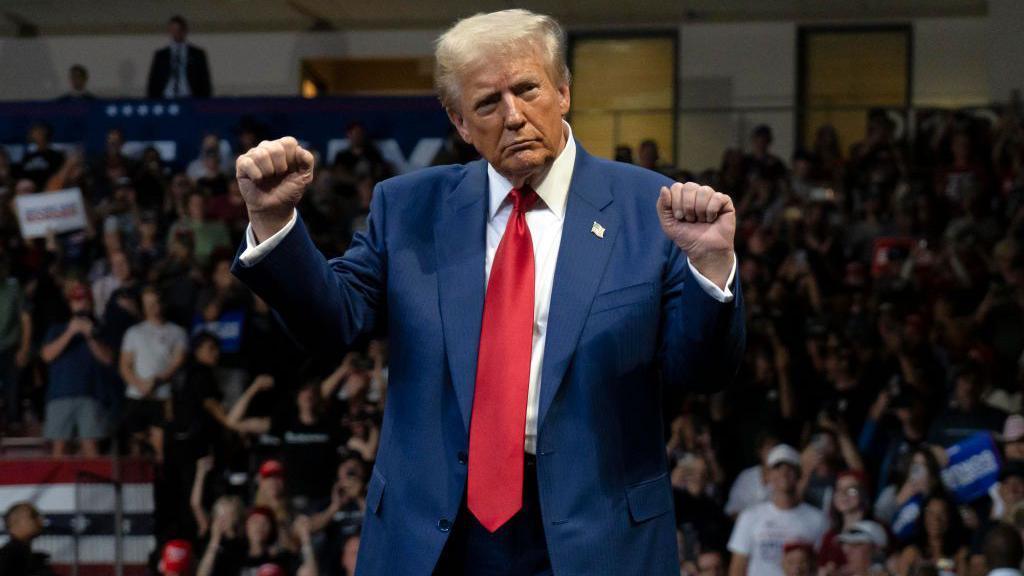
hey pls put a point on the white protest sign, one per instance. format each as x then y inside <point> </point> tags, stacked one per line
<point>59,211</point>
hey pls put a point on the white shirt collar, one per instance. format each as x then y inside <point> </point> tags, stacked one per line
<point>1004,572</point>
<point>553,190</point>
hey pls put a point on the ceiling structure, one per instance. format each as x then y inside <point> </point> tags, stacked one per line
<point>64,17</point>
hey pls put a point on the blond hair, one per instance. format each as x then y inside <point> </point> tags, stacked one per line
<point>496,34</point>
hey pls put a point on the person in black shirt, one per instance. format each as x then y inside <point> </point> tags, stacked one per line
<point>78,77</point>
<point>361,158</point>
<point>308,434</point>
<point>761,162</point>
<point>43,161</point>
<point>24,524</point>
<point>343,518</point>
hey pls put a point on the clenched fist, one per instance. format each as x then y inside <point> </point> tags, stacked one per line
<point>702,223</point>
<point>272,178</point>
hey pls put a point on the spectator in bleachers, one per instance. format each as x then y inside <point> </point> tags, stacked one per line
<point>342,518</point>
<point>176,559</point>
<point>309,440</point>
<point>15,342</point>
<point>111,165</point>
<point>119,275</point>
<point>207,235</point>
<point>71,174</point>
<point>750,487</point>
<point>223,309</point>
<point>41,161</point>
<point>212,182</point>
<point>361,158</point>
<point>225,548</point>
<point>864,549</point>
<point>648,156</point>
<point>940,538</point>
<point>797,559</point>
<point>917,474</point>
<point>850,502</point>
<point>23,524</point>
<point>78,360</point>
<point>78,78</point>
<point>179,70</point>
<point>965,414</point>
<point>760,161</point>
<point>698,515</point>
<point>762,531</point>
<point>827,155</point>
<point>1003,551</point>
<point>152,352</point>
<point>199,167</point>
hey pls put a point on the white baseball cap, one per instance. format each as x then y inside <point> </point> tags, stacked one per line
<point>1013,428</point>
<point>783,454</point>
<point>865,532</point>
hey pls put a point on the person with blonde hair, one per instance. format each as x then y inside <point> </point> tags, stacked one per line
<point>536,301</point>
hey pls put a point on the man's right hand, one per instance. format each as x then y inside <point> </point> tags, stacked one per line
<point>272,178</point>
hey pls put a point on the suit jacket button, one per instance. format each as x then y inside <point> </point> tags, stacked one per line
<point>463,457</point>
<point>444,525</point>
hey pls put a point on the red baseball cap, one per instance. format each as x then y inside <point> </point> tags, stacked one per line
<point>798,545</point>
<point>269,570</point>
<point>177,557</point>
<point>271,468</point>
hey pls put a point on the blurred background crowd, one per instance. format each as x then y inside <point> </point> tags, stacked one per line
<point>885,300</point>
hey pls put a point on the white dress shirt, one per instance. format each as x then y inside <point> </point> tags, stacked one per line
<point>545,223</point>
<point>179,71</point>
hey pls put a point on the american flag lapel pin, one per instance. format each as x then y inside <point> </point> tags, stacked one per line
<point>597,230</point>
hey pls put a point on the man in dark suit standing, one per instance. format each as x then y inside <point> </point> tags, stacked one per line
<point>536,302</point>
<point>179,70</point>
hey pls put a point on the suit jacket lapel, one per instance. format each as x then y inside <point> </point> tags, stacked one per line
<point>460,242</point>
<point>582,257</point>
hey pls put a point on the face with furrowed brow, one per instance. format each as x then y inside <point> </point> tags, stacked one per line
<point>510,109</point>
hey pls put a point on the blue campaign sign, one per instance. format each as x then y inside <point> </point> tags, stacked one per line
<point>973,467</point>
<point>227,328</point>
<point>904,523</point>
<point>409,130</point>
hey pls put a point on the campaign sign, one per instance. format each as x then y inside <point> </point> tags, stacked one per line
<point>904,524</point>
<point>973,467</point>
<point>227,328</point>
<point>60,211</point>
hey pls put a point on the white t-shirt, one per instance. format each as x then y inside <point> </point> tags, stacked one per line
<point>153,347</point>
<point>748,490</point>
<point>762,530</point>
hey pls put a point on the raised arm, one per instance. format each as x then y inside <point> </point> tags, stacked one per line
<point>235,418</point>
<point>325,305</point>
<point>703,333</point>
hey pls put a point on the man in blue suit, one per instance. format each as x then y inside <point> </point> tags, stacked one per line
<point>536,303</point>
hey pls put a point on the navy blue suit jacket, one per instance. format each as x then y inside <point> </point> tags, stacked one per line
<point>626,318</point>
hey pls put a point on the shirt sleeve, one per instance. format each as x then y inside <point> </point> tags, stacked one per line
<point>256,251</point>
<point>180,339</point>
<point>129,344</point>
<point>740,540</point>
<point>710,287</point>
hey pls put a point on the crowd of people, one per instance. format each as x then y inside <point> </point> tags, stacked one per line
<point>884,285</point>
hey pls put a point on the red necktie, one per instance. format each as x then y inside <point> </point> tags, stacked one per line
<point>498,423</point>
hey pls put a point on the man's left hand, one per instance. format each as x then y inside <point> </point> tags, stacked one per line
<point>702,223</point>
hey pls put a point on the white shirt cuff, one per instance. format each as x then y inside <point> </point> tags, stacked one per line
<point>710,287</point>
<point>256,251</point>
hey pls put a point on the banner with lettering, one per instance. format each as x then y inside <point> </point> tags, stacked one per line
<point>973,467</point>
<point>44,212</point>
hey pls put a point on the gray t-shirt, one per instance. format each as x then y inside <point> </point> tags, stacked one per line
<point>153,348</point>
